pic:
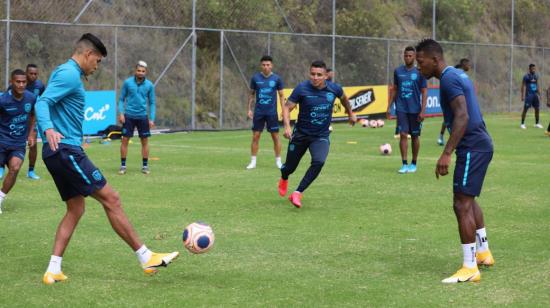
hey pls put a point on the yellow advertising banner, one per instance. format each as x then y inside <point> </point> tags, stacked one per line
<point>364,100</point>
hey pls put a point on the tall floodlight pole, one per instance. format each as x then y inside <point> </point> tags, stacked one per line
<point>7,68</point>
<point>334,37</point>
<point>193,67</point>
<point>511,59</point>
<point>433,19</point>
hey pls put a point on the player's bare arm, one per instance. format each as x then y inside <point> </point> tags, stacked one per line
<point>424,103</point>
<point>31,140</point>
<point>352,118</point>
<point>287,108</point>
<point>251,98</point>
<point>523,90</point>
<point>393,93</point>
<point>282,99</point>
<point>460,122</point>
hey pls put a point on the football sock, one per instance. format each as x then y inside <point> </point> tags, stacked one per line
<point>278,159</point>
<point>482,242</point>
<point>2,195</point>
<point>441,136</point>
<point>145,162</point>
<point>123,162</point>
<point>252,159</point>
<point>31,168</point>
<point>404,161</point>
<point>469,251</point>
<point>413,162</point>
<point>143,254</point>
<point>55,265</point>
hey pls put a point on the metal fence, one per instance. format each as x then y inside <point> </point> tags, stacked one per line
<point>201,54</point>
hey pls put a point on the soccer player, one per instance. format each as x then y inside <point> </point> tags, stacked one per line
<point>37,87</point>
<point>311,131</point>
<point>60,114</point>
<point>530,94</point>
<point>264,87</point>
<point>16,126</point>
<point>137,92</point>
<point>474,151</point>
<point>330,74</point>
<point>410,92</point>
<point>464,65</point>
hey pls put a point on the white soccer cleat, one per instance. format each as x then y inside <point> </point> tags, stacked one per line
<point>522,126</point>
<point>251,166</point>
<point>538,125</point>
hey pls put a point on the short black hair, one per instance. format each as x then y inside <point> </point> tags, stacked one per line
<point>429,46</point>
<point>409,48</point>
<point>16,72</point>
<point>319,63</point>
<point>462,63</point>
<point>266,58</point>
<point>95,41</point>
<point>531,65</point>
<point>329,70</point>
<point>31,65</point>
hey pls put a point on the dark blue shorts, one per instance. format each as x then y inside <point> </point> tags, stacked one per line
<point>7,152</point>
<point>259,121</point>
<point>73,173</point>
<point>532,101</point>
<point>408,123</point>
<point>130,124</point>
<point>470,170</point>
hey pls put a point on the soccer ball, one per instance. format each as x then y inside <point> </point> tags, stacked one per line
<point>364,122</point>
<point>385,149</point>
<point>373,123</point>
<point>330,128</point>
<point>198,237</point>
<point>380,123</point>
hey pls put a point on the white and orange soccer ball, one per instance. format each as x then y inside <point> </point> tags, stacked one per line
<point>364,122</point>
<point>385,149</point>
<point>373,123</point>
<point>198,237</point>
<point>380,123</point>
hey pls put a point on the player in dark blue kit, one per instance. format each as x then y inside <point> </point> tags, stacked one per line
<point>264,87</point>
<point>474,151</point>
<point>530,95</point>
<point>36,87</point>
<point>410,92</point>
<point>316,100</point>
<point>60,114</point>
<point>16,126</point>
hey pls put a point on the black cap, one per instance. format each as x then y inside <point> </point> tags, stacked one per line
<point>96,42</point>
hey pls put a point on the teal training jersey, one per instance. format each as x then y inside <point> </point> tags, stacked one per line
<point>61,106</point>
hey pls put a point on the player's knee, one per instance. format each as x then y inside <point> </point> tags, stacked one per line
<point>318,163</point>
<point>461,206</point>
<point>14,168</point>
<point>112,201</point>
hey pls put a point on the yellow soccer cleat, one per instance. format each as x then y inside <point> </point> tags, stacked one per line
<point>158,260</point>
<point>464,274</point>
<point>50,278</point>
<point>485,258</point>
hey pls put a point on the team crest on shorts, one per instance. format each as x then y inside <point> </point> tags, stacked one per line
<point>28,107</point>
<point>97,175</point>
<point>330,96</point>
<point>291,147</point>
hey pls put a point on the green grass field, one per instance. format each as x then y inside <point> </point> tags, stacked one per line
<point>366,236</point>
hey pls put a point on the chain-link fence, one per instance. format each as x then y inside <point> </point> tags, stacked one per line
<point>201,54</point>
